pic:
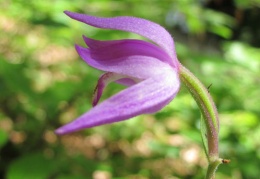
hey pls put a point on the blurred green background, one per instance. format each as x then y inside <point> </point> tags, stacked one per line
<point>44,84</point>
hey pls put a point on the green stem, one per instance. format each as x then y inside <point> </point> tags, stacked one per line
<point>212,169</point>
<point>210,116</point>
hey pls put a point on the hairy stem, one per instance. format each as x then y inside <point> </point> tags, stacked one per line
<point>210,116</point>
<point>212,169</point>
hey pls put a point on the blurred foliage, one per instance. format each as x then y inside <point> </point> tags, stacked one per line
<point>44,84</point>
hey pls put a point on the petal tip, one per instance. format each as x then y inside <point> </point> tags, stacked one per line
<point>66,12</point>
<point>86,39</point>
<point>77,47</point>
<point>94,103</point>
<point>97,94</point>
<point>60,131</point>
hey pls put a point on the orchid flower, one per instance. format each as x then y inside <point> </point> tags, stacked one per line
<point>150,71</point>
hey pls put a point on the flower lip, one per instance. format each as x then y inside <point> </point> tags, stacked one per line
<point>107,78</point>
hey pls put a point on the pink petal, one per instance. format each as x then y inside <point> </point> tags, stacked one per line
<point>143,27</point>
<point>137,66</point>
<point>148,96</point>
<point>104,50</point>
<point>104,80</point>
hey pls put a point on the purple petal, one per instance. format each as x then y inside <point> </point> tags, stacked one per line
<point>148,96</point>
<point>137,66</point>
<point>104,80</point>
<point>143,27</point>
<point>104,50</point>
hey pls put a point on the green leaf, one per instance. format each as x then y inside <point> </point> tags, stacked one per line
<point>35,166</point>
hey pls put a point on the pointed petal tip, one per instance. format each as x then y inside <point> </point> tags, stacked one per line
<point>69,128</point>
<point>84,37</point>
<point>60,131</point>
<point>71,14</point>
<point>66,12</point>
<point>95,98</point>
<point>94,103</point>
<point>66,129</point>
<point>77,47</point>
<point>87,40</point>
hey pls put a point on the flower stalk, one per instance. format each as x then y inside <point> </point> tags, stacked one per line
<point>210,117</point>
